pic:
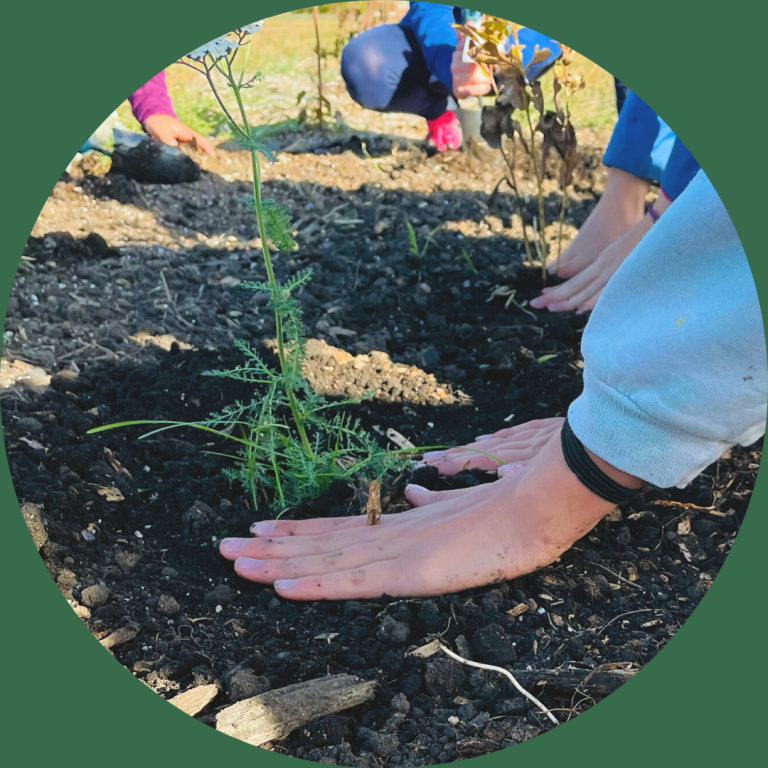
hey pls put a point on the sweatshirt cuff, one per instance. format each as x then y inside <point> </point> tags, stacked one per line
<point>614,428</point>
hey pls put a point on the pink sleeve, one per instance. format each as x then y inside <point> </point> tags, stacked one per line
<point>152,99</point>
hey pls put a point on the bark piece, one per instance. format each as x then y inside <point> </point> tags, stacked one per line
<point>599,682</point>
<point>373,508</point>
<point>193,702</point>
<point>273,715</point>
<point>119,636</point>
<point>34,521</point>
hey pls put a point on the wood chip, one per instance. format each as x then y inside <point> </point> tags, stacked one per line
<point>115,464</point>
<point>684,526</point>
<point>518,610</point>
<point>273,715</point>
<point>425,651</point>
<point>373,507</point>
<point>399,440</point>
<point>193,702</point>
<point>120,636</point>
<point>34,444</point>
<point>110,493</point>
<point>34,520</point>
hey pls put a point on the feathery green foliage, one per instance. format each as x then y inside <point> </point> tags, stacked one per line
<point>291,443</point>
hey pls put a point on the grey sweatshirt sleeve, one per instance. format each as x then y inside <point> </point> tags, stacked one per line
<point>674,352</point>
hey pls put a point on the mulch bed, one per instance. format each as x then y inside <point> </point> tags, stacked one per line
<point>131,527</point>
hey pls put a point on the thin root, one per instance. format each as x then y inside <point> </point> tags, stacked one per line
<point>507,673</point>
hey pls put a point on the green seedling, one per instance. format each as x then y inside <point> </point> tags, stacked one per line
<point>413,241</point>
<point>469,262</point>
<point>289,443</point>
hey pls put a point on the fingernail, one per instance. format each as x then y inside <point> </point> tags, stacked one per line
<point>232,546</point>
<point>580,311</point>
<point>482,437</point>
<point>434,455</point>
<point>285,585</point>
<point>537,303</point>
<point>263,529</point>
<point>413,487</point>
<point>246,564</point>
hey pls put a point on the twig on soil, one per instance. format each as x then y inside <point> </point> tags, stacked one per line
<point>620,578</point>
<point>506,672</point>
<point>680,504</point>
<point>628,613</point>
<point>273,715</point>
<point>522,308</point>
<point>373,507</point>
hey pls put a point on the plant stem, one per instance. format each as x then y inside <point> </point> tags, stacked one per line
<point>224,109</point>
<point>319,52</point>
<point>539,173</point>
<point>298,416</point>
<point>512,180</point>
<point>563,194</point>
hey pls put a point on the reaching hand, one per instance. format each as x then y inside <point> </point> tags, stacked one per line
<point>172,132</point>
<point>451,541</point>
<point>469,78</point>
<point>583,290</point>
<point>618,210</point>
<point>514,446</point>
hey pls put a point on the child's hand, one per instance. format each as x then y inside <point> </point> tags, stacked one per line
<point>582,291</point>
<point>172,132</point>
<point>514,446</point>
<point>469,78</point>
<point>620,208</point>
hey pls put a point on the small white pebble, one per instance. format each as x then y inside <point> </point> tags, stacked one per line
<point>213,538</point>
<point>453,720</point>
<point>466,284</point>
<point>218,609</point>
<point>147,527</point>
<point>541,611</point>
<point>430,424</point>
<point>138,534</point>
<point>146,468</point>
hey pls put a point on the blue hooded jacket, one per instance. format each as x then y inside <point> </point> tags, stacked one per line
<point>432,23</point>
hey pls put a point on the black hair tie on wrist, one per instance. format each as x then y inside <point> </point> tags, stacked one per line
<point>590,475</point>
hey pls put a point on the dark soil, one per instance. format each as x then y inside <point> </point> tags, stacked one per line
<point>129,317</point>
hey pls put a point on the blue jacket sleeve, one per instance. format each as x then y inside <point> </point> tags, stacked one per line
<point>432,25</point>
<point>680,170</point>
<point>641,143</point>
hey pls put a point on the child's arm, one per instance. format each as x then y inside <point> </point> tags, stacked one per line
<point>153,108</point>
<point>152,99</point>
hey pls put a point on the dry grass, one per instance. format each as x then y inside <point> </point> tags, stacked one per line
<point>284,52</point>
